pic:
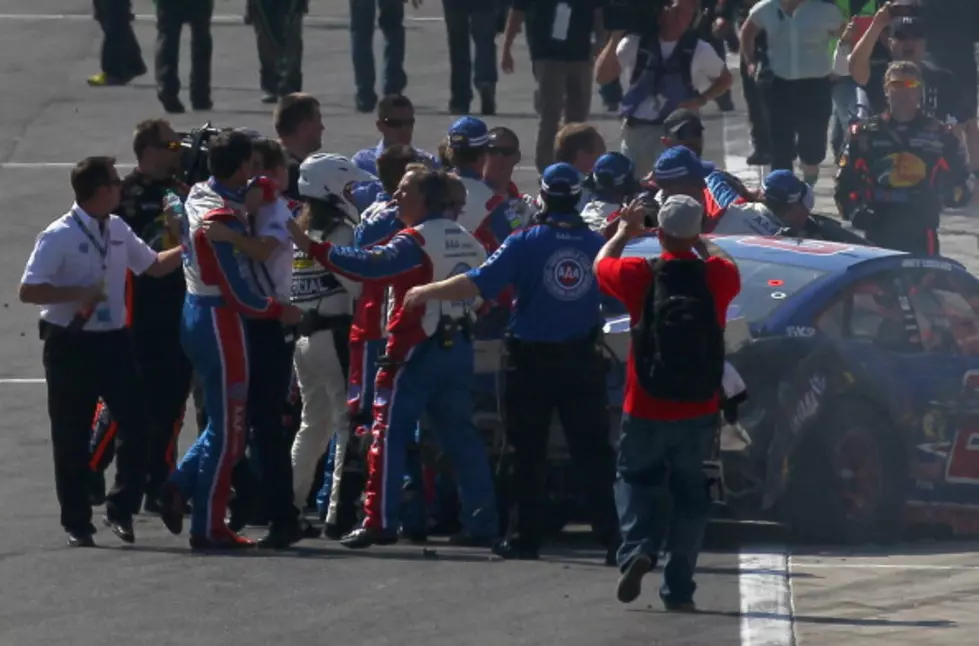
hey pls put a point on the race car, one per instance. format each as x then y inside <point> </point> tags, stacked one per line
<point>862,369</point>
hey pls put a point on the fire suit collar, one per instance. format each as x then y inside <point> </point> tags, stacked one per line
<point>224,191</point>
<point>512,190</point>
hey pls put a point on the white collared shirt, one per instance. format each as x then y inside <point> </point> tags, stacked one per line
<point>798,43</point>
<point>65,255</point>
<point>270,222</point>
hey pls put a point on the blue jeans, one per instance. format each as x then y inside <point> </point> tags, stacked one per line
<point>391,19</point>
<point>844,111</point>
<point>478,20</point>
<point>657,462</point>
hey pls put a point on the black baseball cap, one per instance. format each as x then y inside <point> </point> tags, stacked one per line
<point>682,124</point>
<point>907,27</point>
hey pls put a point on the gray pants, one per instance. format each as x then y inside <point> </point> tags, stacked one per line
<point>642,144</point>
<point>561,87</point>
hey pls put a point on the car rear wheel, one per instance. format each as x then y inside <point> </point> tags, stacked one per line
<point>846,479</point>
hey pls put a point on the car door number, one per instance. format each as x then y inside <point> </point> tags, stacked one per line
<point>962,466</point>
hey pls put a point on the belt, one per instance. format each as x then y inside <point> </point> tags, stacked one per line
<point>632,122</point>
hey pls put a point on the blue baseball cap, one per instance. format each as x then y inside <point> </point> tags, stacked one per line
<point>468,132</point>
<point>560,180</point>
<point>679,163</point>
<point>613,170</point>
<point>783,186</point>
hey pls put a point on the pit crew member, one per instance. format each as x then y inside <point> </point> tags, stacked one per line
<point>485,215</point>
<point>503,155</point>
<point>900,169</point>
<point>154,306</point>
<point>396,123</point>
<point>554,362</point>
<point>428,364</point>
<point>378,225</point>
<point>214,337</point>
<point>612,183</point>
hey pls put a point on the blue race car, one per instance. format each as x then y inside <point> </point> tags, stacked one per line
<point>862,367</point>
<point>862,370</point>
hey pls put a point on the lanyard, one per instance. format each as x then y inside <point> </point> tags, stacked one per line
<point>102,247</point>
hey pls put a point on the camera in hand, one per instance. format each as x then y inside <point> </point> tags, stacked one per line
<point>193,153</point>
<point>905,9</point>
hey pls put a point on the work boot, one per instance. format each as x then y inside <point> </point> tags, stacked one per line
<point>223,541</point>
<point>121,527</point>
<point>515,550</point>
<point>362,537</point>
<point>172,508</point>
<point>171,104</point>
<point>487,100</point>
<point>281,536</point>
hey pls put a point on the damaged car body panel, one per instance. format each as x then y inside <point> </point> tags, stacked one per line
<point>862,368</point>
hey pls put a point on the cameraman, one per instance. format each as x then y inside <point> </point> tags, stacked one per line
<point>670,69</point>
<point>155,306</point>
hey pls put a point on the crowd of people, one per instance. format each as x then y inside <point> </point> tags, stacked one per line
<point>352,289</point>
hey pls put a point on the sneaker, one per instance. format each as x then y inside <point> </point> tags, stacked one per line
<point>630,583</point>
<point>679,606</point>
<point>104,80</point>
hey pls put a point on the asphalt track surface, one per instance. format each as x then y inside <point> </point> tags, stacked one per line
<point>158,593</point>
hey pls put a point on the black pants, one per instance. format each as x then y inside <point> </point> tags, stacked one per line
<point>170,18</point>
<point>542,377</point>
<point>465,19</point>
<point>265,478</point>
<point>903,234</point>
<point>798,117</point>
<point>166,375</point>
<point>279,33</point>
<point>122,58</point>
<point>754,98</point>
<point>80,367</point>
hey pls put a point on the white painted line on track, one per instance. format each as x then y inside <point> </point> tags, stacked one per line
<point>767,612</point>
<point>220,19</point>
<point>22,381</point>
<point>804,565</point>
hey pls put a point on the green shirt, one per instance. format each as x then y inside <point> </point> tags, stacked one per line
<point>869,8</point>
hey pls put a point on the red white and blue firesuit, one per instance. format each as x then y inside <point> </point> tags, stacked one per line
<point>487,216</point>
<point>213,336</point>
<point>423,371</point>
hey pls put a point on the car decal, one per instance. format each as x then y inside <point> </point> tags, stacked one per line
<point>814,247</point>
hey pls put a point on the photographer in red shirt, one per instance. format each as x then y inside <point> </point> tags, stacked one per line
<point>678,306</point>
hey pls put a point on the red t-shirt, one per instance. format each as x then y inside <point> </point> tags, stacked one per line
<point>629,279</point>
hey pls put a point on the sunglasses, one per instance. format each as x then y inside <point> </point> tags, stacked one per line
<point>903,84</point>
<point>505,152</point>
<point>168,145</point>
<point>398,123</point>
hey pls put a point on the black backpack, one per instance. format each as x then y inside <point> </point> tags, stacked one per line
<point>678,345</point>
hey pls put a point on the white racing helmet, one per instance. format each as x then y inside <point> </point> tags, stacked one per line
<point>331,178</point>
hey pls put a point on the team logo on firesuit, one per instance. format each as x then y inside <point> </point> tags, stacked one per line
<point>566,274</point>
<point>901,170</point>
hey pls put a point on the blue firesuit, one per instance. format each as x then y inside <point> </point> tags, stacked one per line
<point>213,336</point>
<point>423,371</point>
